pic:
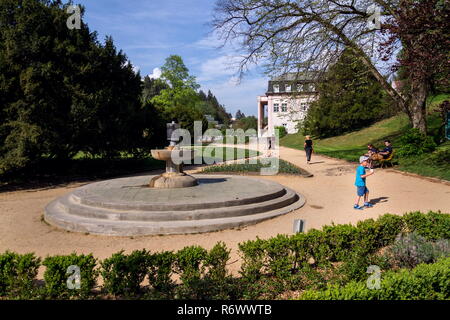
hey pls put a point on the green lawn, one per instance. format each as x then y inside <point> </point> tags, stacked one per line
<point>219,153</point>
<point>83,167</point>
<point>352,145</point>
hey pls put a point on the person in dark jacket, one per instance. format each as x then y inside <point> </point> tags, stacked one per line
<point>308,149</point>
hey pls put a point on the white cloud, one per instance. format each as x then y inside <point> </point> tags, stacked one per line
<point>156,73</point>
<point>226,65</point>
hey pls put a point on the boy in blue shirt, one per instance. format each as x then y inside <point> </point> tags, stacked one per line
<point>360,183</point>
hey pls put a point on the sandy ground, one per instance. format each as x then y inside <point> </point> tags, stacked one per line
<point>330,195</point>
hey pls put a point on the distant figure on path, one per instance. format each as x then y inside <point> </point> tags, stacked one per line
<point>360,183</point>
<point>308,149</point>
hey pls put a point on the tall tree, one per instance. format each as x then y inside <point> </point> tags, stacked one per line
<point>311,34</point>
<point>239,115</point>
<point>350,98</point>
<point>179,102</point>
<point>152,87</point>
<point>61,91</point>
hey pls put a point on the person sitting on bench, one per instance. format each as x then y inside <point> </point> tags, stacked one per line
<point>371,150</point>
<point>385,153</point>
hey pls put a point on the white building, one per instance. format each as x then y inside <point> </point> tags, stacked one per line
<point>286,101</point>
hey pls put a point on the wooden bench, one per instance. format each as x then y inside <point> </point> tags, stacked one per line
<point>388,160</point>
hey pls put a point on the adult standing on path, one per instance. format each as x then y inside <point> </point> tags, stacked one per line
<point>308,149</point>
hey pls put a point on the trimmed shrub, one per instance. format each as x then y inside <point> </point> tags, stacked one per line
<point>190,265</point>
<point>123,274</point>
<point>335,254</point>
<point>253,259</point>
<point>17,275</point>
<point>279,256</point>
<point>341,240</point>
<point>425,282</point>
<point>432,226</point>
<point>355,264</point>
<point>57,274</point>
<point>160,271</point>
<point>216,262</point>
<point>218,281</point>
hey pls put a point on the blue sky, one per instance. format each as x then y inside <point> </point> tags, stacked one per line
<point>148,31</point>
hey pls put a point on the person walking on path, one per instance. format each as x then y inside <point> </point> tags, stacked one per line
<point>308,149</point>
<point>360,183</point>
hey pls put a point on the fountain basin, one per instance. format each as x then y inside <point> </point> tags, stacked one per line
<point>166,154</point>
<point>174,177</point>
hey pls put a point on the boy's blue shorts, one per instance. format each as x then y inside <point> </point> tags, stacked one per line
<point>360,191</point>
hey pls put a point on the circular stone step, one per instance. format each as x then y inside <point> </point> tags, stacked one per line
<point>128,207</point>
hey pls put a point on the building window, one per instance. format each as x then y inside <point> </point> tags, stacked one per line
<point>288,88</point>
<point>276,88</point>
<point>304,106</point>
<point>276,107</point>
<point>284,107</point>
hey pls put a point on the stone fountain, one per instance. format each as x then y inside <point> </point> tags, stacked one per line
<point>174,177</point>
<point>175,203</point>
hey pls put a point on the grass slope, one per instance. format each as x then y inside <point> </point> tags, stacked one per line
<point>351,145</point>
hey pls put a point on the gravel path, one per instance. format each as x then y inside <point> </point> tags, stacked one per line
<point>329,195</point>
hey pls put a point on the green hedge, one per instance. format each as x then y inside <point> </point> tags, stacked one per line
<point>17,275</point>
<point>278,255</point>
<point>424,282</point>
<point>58,272</point>
<point>269,267</point>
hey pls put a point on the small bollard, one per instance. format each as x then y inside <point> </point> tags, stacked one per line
<point>299,226</point>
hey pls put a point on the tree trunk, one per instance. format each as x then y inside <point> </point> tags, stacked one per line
<point>417,105</point>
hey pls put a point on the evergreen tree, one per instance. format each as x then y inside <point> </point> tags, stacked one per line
<point>61,91</point>
<point>350,98</point>
<point>239,115</point>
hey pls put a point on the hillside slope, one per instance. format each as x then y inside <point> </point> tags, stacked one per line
<point>351,145</point>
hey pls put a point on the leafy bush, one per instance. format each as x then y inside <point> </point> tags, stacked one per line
<point>341,239</point>
<point>57,274</point>
<point>218,280</point>
<point>17,274</point>
<point>433,226</point>
<point>123,274</point>
<point>355,264</point>
<point>414,143</point>
<point>160,271</point>
<point>335,254</point>
<point>372,235</point>
<point>281,131</point>
<point>411,249</point>
<point>190,265</point>
<point>253,258</point>
<point>216,261</point>
<point>425,282</point>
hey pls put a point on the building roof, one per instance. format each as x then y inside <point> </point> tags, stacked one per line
<point>299,82</point>
<point>296,76</point>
